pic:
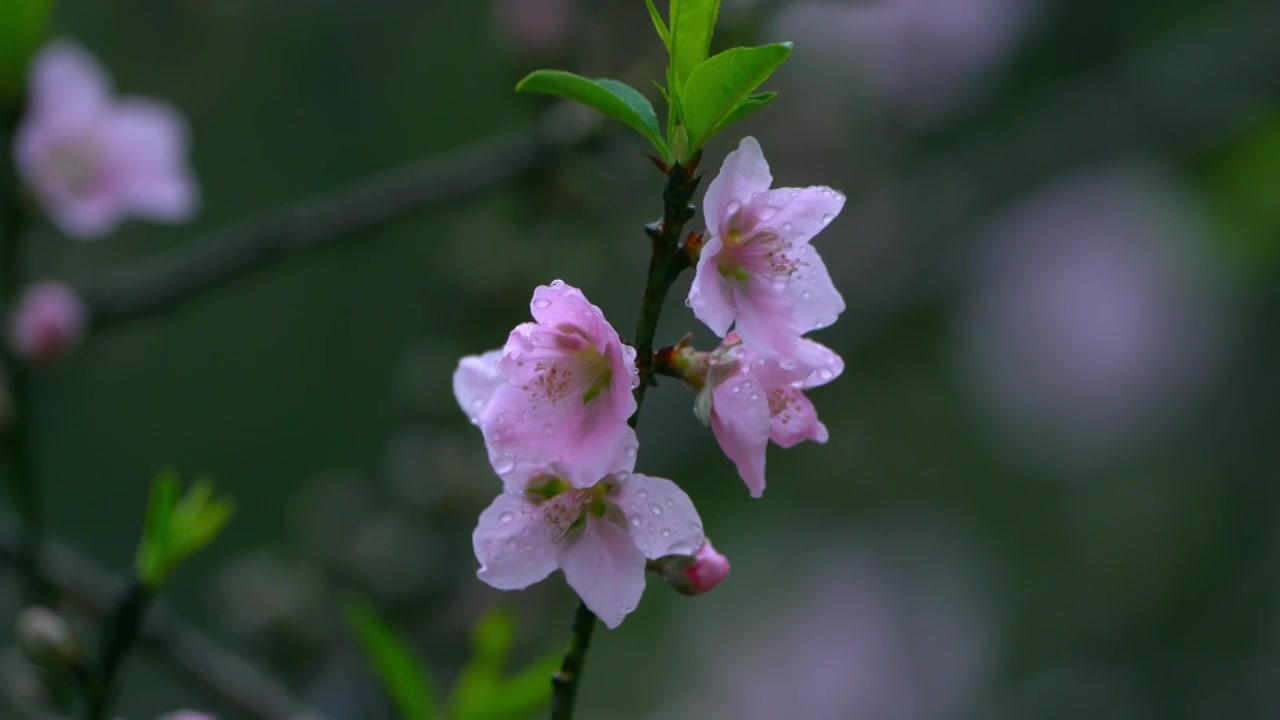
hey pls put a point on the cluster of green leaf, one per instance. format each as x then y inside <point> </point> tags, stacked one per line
<point>704,94</point>
<point>483,690</point>
<point>22,28</point>
<point>177,526</point>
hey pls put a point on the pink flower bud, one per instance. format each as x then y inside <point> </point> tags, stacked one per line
<point>693,574</point>
<point>708,569</point>
<point>50,320</point>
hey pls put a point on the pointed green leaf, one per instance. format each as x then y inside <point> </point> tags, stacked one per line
<point>156,535</point>
<point>718,86</point>
<point>746,107</point>
<point>692,24</point>
<point>178,526</point>
<point>615,99</point>
<point>402,674</point>
<point>659,25</point>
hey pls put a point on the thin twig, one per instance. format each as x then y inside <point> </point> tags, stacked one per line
<point>162,283</point>
<point>667,261</point>
<point>222,676</point>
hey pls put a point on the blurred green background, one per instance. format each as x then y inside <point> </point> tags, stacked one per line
<point>1051,489</point>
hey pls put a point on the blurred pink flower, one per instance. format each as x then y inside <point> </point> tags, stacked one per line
<point>920,57</point>
<point>187,715</point>
<point>756,397</point>
<point>757,271</point>
<point>1095,317</point>
<point>599,536</point>
<point>49,321</point>
<point>92,159</point>
<point>558,394</point>
<point>891,626</point>
<point>708,570</point>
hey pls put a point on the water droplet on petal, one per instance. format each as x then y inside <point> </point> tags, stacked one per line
<point>631,451</point>
<point>732,208</point>
<point>542,303</point>
<point>806,295</point>
<point>666,532</point>
<point>643,493</point>
<point>787,227</point>
<point>766,213</point>
<point>827,218</point>
<point>655,509</point>
<point>506,517</point>
<point>825,373</point>
<point>504,464</point>
<point>688,302</point>
<point>635,521</point>
<point>670,502</point>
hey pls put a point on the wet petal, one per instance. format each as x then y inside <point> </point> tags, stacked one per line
<point>740,421</point>
<point>514,545</point>
<point>660,516</point>
<point>606,569</point>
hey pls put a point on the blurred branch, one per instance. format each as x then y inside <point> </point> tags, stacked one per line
<point>162,283</point>
<point>202,663</point>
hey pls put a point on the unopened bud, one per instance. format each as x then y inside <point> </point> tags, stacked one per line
<point>46,639</point>
<point>48,322</point>
<point>694,575</point>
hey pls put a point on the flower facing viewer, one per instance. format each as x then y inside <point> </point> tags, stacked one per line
<point>93,159</point>
<point>558,393</point>
<point>599,536</point>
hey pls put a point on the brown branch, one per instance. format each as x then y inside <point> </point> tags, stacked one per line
<point>214,671</point>
<point>162,283</point>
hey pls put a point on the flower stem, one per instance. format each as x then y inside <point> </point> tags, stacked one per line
<point>14,444</point>
<point>665,265</point>
<point>564,683</point>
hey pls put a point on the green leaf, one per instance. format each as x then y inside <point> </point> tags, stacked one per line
<point>177,527</point>
<point>526,693</point>
<point>659,25</point>
<point>720,85</point>
<point>402,674</point>
<point>692,24</point>
<point>746,107</point>
<point>22,30</point>
<point>615,99</point>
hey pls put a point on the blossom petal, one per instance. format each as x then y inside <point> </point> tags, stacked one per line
<point>68,87</point>
<point>823,363</point>
<point>146,145</point>
<point>740,421</point>
<point>814,300</point>
<point>660,516</point>
<point>744,173</point>
<point>793,419</point>
<point>766,317</point>
<point>562,304</point>
<point>584,443</point>
<point>797,214</point>
<point>513,543</point>
<point>475,381</point>
<point>606,569</point>
<point>710,295</point>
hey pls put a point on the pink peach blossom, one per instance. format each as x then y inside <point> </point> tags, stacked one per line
<point>557,395</point>
<point>599,536</point>
<point>757,271</point>
<point>755,397</point>
<point>49,321</point>
<point>93,159</point>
